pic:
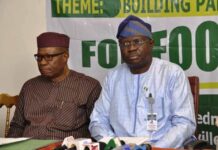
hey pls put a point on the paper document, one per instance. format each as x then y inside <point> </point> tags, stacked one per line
<point>11,140</point>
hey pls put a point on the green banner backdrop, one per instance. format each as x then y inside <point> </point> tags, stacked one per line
<point>185,32</point>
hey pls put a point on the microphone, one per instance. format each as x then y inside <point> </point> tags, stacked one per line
<point>147,146</point>
<point>74,144</point>
<point>102,145</point>
<point>92,146</point>
<point>140,147</point>
<point>126,147</point>
<point>117,144</point>
<point>81,143</point>
<point>110,145</point>
<point>122,142</point>
<point>66,144</point>
<point>68,141</point>
<point>113,143</point>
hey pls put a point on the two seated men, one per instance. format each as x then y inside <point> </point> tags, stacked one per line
<point>144,96</point>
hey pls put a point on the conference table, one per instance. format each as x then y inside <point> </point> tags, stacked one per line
<point>29,144</point>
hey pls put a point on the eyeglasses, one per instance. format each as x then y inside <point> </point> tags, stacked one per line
<point>136,42</point>
<point>47,57</point>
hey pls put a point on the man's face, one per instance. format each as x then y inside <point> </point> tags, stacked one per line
<point>52,61</point>
<point>136,51</point>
